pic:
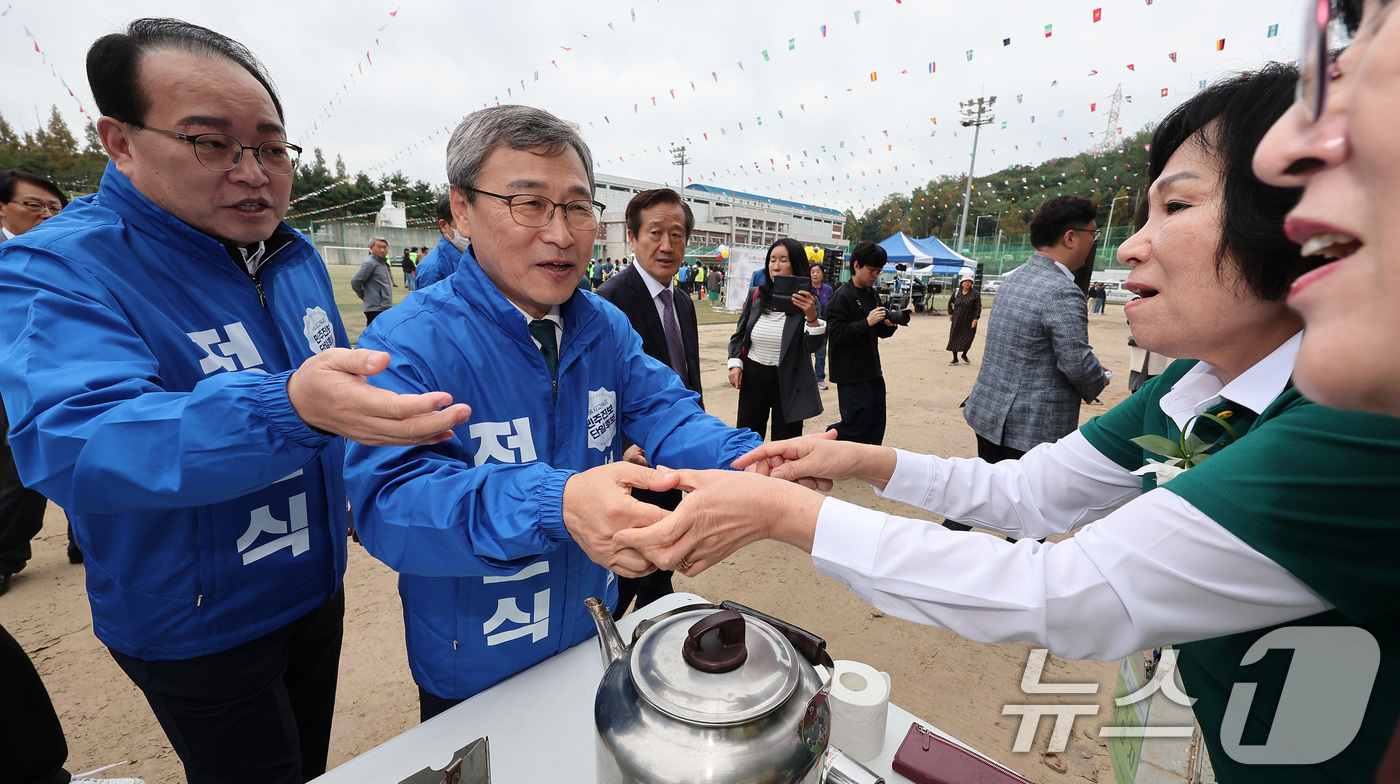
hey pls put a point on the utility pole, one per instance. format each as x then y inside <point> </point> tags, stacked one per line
<point>678,159</point>
<point>983,117</point>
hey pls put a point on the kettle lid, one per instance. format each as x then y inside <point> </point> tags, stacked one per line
<point>714,668</point>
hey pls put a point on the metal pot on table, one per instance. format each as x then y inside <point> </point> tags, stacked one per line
<point>711,694</point>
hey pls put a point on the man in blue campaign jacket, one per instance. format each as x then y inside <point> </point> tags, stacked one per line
<point>502,531</point>
<point>147,348</point>
<point>443,259</point>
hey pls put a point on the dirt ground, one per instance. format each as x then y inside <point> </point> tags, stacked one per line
<point>957,685</point>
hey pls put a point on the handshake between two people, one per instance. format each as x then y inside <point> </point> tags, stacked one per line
<point>774,495</point>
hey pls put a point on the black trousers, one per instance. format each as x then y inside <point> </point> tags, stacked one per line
<point>32,748</point>
<point>759,398</point>
<point>258,712</point>
<point>21,510</point>
<point>992,453</point>
<point>657,584</point>
<point>370,316</point>
<point>430,705</point>
<point>862,411</point>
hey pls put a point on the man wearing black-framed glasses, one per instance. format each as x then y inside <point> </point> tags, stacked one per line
<point>497,531</point>
<point>26,200</point>
<point>178,376</point>
<point>1038,365</point>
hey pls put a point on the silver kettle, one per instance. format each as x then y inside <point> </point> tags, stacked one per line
<point>711,694</point>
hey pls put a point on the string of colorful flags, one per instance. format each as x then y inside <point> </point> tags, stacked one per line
<point>325,113</point>
<point>53,70</point>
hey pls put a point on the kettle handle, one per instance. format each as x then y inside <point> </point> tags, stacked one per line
<point>813,729</point>
<point>716,643</point>
<point>812,647</point>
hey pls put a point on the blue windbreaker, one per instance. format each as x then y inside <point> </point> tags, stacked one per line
<point>440,262</point>
<point>490,579</point>
<point>208,513</point>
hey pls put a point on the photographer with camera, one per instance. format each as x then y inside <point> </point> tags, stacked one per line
<point>857,320</point>
<point>770,353</point>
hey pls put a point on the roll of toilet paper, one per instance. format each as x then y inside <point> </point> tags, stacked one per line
<point>860,701</point>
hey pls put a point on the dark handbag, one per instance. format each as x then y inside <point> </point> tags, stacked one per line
<point>929,759</point>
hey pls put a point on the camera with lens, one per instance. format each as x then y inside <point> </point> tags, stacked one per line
<point>896,311</point>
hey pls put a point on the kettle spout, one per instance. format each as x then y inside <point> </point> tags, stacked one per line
<point>609,641</point>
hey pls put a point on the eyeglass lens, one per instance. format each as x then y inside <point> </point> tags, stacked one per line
<point>534,212</point>
<point>1312,77</point>
<point>222,153</point>
<point>38,206</point>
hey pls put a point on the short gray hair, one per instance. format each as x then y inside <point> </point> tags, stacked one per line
<point>516,127</point>
<point>373,240</point>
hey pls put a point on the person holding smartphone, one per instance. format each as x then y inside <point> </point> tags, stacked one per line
<point>770,353</point>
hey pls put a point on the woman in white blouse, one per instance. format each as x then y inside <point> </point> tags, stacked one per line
<point>1284,538</point>
<point>770,354</point>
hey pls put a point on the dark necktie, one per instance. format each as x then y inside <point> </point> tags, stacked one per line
<point>672,327</point>
<point>543,331</point>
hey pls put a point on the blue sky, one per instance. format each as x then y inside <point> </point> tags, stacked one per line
<point>392,84</point>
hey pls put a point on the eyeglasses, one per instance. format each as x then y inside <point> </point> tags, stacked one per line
<point>221,152</point>
<point>1095,232</point>
<point>535,211</point>
<point>38,207</point>
<point>1318,67</point>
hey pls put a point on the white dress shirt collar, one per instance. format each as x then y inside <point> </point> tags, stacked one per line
<point>553,315</point>
<point>1201,387</point>
<point>8,235</point>
<point>654,286</point>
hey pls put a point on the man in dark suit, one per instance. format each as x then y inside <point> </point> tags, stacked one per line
<point>26,200</point>
<point>658,225</point>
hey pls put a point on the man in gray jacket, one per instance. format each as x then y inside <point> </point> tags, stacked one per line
<point>1038,364</point>
<point>373,283</point>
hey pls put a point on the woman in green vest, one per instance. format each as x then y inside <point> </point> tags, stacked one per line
<point>1267,559</point>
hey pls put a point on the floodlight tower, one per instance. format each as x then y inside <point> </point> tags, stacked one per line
<point>982,117</point>
<point>678,159</point>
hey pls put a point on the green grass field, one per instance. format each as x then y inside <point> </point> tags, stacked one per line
<point>354,318</point>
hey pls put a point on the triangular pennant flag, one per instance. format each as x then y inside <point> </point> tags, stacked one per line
<point>1220,45</point>
<point>1098,14</point>
<point>1273,31</point>
<point>857,17</point>
<point>872,76</point>
<point>1173,56</point>
<point>823,31</point>
<point>932,67</point>
<point>765,54</point>
<point>969,54</point>
<point>1130,67</point>
<point>1006,42</point>
<point>792,44</point>
<point>1049,29</point>
<point>1164,92</point>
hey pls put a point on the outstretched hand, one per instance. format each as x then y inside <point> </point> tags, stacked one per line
<point>598,503</point>
<point>723,512</point>
<point>819,461</point>
<point>330,393</point>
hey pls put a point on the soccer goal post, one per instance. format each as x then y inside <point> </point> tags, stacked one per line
<point>343,254</point>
